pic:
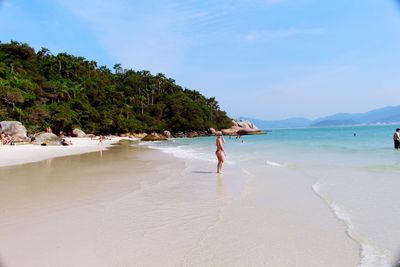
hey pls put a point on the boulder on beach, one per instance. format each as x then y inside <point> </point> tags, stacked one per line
<point>230,131</point>
<point>14,129</point>
<point>241,127</point>
<point>246,125</point>
<point>46,138</point>
<point>212,131</point>
<point>192,134</point>
<point>180,134</point>
<point>168,134</point>
<point>154,137</point>
<point>139,135</point>
<point>78,133</point>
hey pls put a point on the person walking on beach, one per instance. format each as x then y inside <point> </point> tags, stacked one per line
<point>396,138</point>
<point>101,138</point>
<point>220,153</point>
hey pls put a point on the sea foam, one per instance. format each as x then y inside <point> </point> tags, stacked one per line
<point>371,256</point>
<point>276,164</point>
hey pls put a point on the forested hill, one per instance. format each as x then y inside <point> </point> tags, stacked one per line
<point>65,91</point>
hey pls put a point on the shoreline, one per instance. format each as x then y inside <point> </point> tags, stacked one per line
<point>321,208</point>
<point>208,219</point>
<point>28,153</point>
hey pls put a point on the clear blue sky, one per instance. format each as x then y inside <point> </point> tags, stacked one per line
<point>266,59</point>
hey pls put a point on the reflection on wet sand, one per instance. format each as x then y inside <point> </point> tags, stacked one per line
<point>135,207</point>
<point>220,185</point>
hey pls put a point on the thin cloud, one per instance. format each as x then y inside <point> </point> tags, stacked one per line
<point>4,3</point>
<point>270,3</point>
<point>269,35</point>
<point>156,39</point>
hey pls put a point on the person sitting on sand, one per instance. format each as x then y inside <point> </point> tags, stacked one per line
<point>220,153</point>
<point>3,139</point>
<point>63,140</point>
<point>9,140</point>
<point>396,138</point>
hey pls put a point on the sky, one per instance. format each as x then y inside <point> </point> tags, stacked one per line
<point>264,59</point>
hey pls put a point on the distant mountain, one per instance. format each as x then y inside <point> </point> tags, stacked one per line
<point>382,115</point>
<point>386,115</point>
<point>280,124</point>
<point>330,123</point>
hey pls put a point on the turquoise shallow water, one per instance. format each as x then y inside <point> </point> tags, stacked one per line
<point>355,170</point>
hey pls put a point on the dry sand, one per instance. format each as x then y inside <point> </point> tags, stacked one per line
<point>132,206</point>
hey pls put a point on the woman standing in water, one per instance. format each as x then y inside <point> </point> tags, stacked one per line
<point>220,151</point>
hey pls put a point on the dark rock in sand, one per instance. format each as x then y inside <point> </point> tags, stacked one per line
<point>154,137</point>
<point>46,138</point>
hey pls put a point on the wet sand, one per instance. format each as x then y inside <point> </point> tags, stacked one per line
<point>133,206</point>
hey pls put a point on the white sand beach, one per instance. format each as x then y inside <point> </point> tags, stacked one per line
<point>25,153</point>
<point>134,206</point>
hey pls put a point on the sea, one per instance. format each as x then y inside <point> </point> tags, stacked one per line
<point>355,171</point>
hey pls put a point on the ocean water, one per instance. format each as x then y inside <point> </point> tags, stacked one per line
<point>354,170</point>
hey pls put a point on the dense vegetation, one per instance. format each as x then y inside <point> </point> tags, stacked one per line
<point>65,91</point>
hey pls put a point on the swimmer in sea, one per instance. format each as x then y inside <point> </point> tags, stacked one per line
<point>220,153</point>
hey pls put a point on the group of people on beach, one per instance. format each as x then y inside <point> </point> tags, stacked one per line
<point>6,139</point>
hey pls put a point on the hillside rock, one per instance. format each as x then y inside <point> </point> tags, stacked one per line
<point>192,134</point>
<point>242,127</point>
<point>212,131</point>
<point>180,134</point>
<point>168,134</point>
<point>246,125</point>
<point>249,131</point>
<point>78,133</point>
<point>14,129</point>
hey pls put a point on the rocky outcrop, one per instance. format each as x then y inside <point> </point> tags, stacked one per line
<point>180,134</point>
<point>231,131</point>
<point>154,137</point>
<point>249,131</point>
<point>241,127</point>
<point>15,129</point>
<point>168,134</point>
<point>192,134</point>
<point>78,133</point>
<point>246,125</point>
<point>212,131</point>
<point>47,139</point>
<point>139,135</point>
